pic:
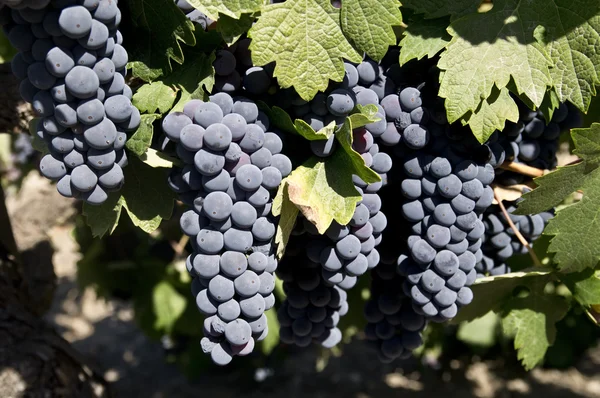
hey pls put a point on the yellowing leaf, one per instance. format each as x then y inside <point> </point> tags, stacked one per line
<point>287,212</point>
<point>305,40</point>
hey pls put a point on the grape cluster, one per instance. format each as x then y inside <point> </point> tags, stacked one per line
<point>393,324</point>
<point>72,69</point>
<point>233,168</point>
<point>500,242</point>
<point>531,141</point>
<point>193,14</point>
<point>313,305</point>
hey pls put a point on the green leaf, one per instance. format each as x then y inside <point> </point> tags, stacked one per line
<point>533,323</point>
<point>364,115</point>
<point>231,29</point>
<point>7,51</point>
<point>231,8</point>
<point>161,29</point>
<point>440,8</point>
<point>272,339</point>
<point>368,24</point>
<point>490,293</point>
<point>480,332</point>
<point>575,246</point>
<point>145,196</point>
<point>305,40</point>
<point>558,48</point>
<point>141,140</point>
<point>585,286</point>
<point>168,306</point>
<point>287,212</point>
<point>423,38</point>
<point>278,118</point>
<point>354,162</point>
<point>306,131</point>
<point>572,38</point>
<point>550,104</point>
<point>471,61</point>
<point>492,114</point>
<point>104,218</point>
<point>194,79</point>
<point>153,97</point>
<point>323,190</point>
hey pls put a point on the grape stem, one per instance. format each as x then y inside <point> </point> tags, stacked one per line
<point>524,242</point>
<point>179,247</point>
<point>522,168</point>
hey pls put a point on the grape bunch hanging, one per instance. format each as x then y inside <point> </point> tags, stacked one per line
<point>72,67</point>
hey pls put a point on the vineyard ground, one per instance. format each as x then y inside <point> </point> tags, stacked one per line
<point>106,335</point>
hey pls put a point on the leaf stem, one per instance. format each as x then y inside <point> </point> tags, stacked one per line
<point>524,242</point>
<point>522,168</point>
<point>179,247</point>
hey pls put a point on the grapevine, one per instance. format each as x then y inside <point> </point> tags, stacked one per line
<point>313,152</point>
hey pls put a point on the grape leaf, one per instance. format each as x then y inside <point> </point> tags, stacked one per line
<point>305,40</point>
<point>368,25</point>
<point>104,218</point>
<point>550,104</point>
<point>153,97</point>
<point>354,160</point>
<point>558,48</point>
<point>168,306</point>
<point>161,28</point>
<point>490,293</point>
<point>585,286</point>
<point>272,339</point>
<point>231,8</point>
<point>488,49</point>
<point>287,213</point>
<point>574,243</point>
<point>231,29</point>
<point>364,115</point>
<point>141,140</point>
<point>282,120</point>
<point>533,323</point>
<point>480,332</point>
<point>306,131</point>
<point>194,79</point>
<point>154,158</point>
<point>323,190</point>
<point>423,38</point>
<point>142,182</point>
<point>492,114</point>
<point>440,8</point>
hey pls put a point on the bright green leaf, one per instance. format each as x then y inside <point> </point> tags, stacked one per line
<point>491,48</point>
<point>368,25</point>
<point>161,28</point>
<point>492,114</point>
<point>585,286</point>
<point>423,38</point>
<point>154,158</point>
<point>231,8</point>
<point>306,131</point>
<point>287,213</point>
<point>305,40</point>
<point>533,323</point>
<point>231,29</point>
<point>153,97</point>
<point>168,306</point>
<point>323,190</point>
<point>441,8</point>
<point>141,140</point>
<point>364,115</point>
<point>272,339</point>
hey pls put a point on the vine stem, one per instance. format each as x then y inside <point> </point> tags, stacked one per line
<point>522,168</point>
<point>536,260</point>
<point>179,247</point>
